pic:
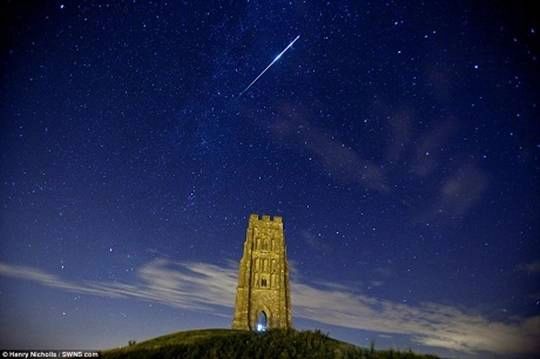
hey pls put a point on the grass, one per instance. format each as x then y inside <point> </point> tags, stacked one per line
<point>226,343</point>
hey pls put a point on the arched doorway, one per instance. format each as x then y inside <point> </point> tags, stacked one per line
<point>261,323</point>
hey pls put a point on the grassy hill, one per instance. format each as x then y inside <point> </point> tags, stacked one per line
<point>225,343</point>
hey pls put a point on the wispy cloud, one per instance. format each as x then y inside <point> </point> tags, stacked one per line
<point>400,130</point>
<point>317,243</point>
<point>211,288</point>
<point>428,151</point>
<point>429,324</point>
<point>197,286</point>
<point>343,162</point>
<point>531,268</point>
<point>457,194</point>
<point>462,190</point>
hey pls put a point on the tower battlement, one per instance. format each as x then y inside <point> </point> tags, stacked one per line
<point>265,218</point>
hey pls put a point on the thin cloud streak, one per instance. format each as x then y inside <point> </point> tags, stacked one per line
<point>210,288</point>
<point>531,268</point>
<point>343,162</point>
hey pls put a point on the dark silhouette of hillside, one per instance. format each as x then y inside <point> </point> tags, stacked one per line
<point>225,343</point>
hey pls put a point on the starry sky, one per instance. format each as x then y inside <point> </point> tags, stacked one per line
<point>398,140</point>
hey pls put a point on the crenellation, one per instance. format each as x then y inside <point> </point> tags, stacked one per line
<point>262,221</point>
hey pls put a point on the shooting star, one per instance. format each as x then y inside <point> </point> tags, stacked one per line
<point>267,67</point>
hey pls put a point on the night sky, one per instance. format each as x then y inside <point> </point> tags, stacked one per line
<point>399,141</point>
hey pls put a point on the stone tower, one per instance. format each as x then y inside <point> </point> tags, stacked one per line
<point>263,278</point>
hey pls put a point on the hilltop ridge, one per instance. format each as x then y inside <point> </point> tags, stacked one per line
<point>226,343</point>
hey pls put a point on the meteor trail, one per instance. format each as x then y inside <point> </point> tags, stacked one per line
<point>267,67</point>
